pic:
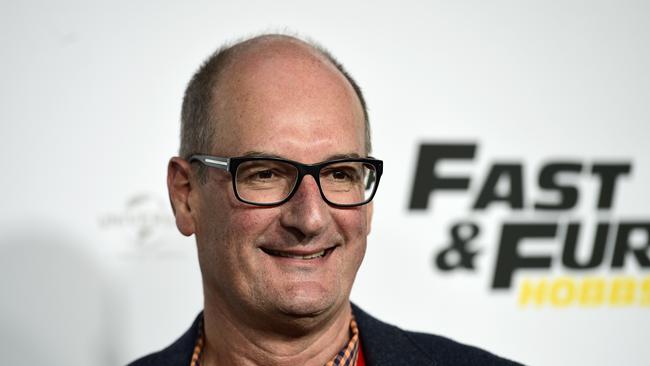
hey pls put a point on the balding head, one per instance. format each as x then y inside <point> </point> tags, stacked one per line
<point>218,80</point>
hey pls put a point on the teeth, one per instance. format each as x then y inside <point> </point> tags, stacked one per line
<point>287,255</point>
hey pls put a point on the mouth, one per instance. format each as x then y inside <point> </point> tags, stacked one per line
<point>298,255</point>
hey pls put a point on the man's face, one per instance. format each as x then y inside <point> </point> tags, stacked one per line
<point>281,103</point>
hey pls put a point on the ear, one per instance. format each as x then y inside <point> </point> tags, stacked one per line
<point>179,186</point>
<point>369,210</point>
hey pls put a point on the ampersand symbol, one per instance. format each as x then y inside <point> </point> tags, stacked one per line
<point>458,255</point>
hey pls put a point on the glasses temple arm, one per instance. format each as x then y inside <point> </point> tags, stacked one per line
<point>212,161</point>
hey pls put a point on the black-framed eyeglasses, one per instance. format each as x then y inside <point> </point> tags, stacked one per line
<point>267,181</point>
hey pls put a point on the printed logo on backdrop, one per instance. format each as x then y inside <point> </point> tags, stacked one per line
<point>546,252</point>
<point>143,227</point>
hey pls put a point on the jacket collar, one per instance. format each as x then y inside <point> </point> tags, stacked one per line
<point>385,344</point>
<point>382,344</point>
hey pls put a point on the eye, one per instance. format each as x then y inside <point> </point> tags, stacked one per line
<point>340,175</point>
<point>263,175</point>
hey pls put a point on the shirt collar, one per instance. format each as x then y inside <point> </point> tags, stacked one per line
<point>347,356</point>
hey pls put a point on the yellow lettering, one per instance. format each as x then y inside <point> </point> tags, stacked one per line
<point>531,292</point>
<point>622,292</point>
<point>645,292</point>
<point>592,292</point>
<point>563,292</point>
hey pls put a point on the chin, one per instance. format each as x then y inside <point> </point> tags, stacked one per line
<point>307,304</point>
<point>304,308</point>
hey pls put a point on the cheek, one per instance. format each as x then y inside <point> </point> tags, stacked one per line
<point>227,247</point>
<point>233,229</point>
<point>354,223</point>
<point>215,230</point>
<point>222,216</point>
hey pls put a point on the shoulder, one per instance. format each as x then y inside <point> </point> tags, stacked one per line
<point>449,352</point>
<point>385,344</point>
<point>178,353</point>
<point>382,344</point>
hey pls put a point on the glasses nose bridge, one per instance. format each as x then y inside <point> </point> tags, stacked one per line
<point>305,169</point>
<point>313,170</point>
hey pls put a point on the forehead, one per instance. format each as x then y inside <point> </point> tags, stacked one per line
<point>282,96</point>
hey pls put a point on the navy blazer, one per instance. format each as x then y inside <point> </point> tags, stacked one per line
<point>382,344</point>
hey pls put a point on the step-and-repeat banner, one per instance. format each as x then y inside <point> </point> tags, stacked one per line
<point>513,213</point>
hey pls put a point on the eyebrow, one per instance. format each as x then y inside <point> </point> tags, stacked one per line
<point>261,154</point>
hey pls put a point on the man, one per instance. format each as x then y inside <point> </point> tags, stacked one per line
<point>275,182</point>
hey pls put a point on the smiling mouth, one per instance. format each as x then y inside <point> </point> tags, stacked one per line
<point>278,253</point>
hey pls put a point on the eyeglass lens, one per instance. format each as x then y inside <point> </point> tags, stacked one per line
<point>272,181</point>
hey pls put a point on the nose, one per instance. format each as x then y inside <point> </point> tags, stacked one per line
<point>306,213</point>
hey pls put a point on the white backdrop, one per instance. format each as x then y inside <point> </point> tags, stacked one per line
<point>93,272</point>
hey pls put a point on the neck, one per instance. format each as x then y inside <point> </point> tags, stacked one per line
<point>311,341</point>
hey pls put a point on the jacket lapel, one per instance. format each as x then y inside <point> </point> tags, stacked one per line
<point>387,345</point>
